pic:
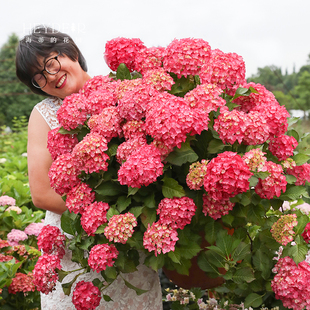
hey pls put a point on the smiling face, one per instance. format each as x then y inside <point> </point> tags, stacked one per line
<point>70,79</point>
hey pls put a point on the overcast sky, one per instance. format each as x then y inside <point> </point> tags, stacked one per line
<point>264,32</point>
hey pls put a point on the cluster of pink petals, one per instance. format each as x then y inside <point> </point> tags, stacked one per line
<point>15,236</point>
<point>22,283</point>
<point>18,210</point>
<point>262,98</point>
<point>7,201</point>
<point>227,176</point>
<point>107,123</point>
<point>176,212</point>
<point>282,230</point>
<point>72,112</point>
<point>291,283</point>
<point>52,241</point>
<point>169,119</point>
<point>59,144</point>
<point>196,174</point>
<point>133,129</point>
<point>34,229</point>
<point>120,227</point>
<point>216,208</point>
<point>227,70</point>
<point>86,296</point>
<point>302,173</point>
<point>158,78</point>
<point>133,104</point>
<point>205,97</point>
<point>282,146</point>
<point>45,275</point>
<point>149,59</point>
<point>142,167</point>
<point>306,233</point>
<point>63,174</point>
<point>125,86</point>
<point>99,100</point>
<point>126,148</point>
<point>89,154</point>
<point>93,216</point>
<point>122,50</point>
<point>101,256</point>
<point>79,196</point>
<point>6,258</point>
<point>98,82</point>
<point>273,184</point>
<point>255,159</point>
<point>160,238</point>
<point>288,163</point>
<point>186,56</point>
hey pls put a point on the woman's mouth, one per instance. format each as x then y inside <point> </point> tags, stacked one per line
<point>62,81</point>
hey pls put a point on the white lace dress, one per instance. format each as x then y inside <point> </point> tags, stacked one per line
<point>122,296</point>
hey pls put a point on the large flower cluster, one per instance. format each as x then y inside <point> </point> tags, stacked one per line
<point>216,208</point>
<point>302,173</point>
<point>196,174</point>
<point>6,200</point>
<point>86,296</point>
<point>291,283</point>
<point>15,236</point>
<point>101,256</point>
<point>282,230</point>
<point>22,283</point>
<point>149,58</point>
<point>282,146</point>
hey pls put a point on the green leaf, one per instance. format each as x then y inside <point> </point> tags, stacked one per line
<point>290,179</point>
<point>262,262</point>
<point>253,300</point>
<point>293,133</point>
<point>63,131</point>
<point>132,190</point>
<point>122,203</point>
<point>243,92</point>
<point>175,256</point>
<point>294,193</point>
<point>212,228</point>
<point>123,72</point>
<point>256,214</point>
<point>242,250</point>
<point>149,201</point>
<point>136,211</point>
<point>138,291</point>
<point>190,250</point>
<point>136,240</point>
<point>110,188</point>
<point>300,159</point>
<point>244,274</point>
<point>205,265</point>
<point>111,272</point>
<point>61,274</point>
<point>68,222</point>
<point>172,188</point>
<point>155,262</point>
<point>112,150</point>
<point>149,216</point>
<point>181,156</point>
<point>107,298</point>
<point>298,252</point>
<point>253,181</point>
<point>111,212</point>
<point>262,174</point>
<point>215,146</point>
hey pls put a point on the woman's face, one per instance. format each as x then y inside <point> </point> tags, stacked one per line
<point>70,79</point>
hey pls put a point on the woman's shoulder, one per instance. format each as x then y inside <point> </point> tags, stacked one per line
<point>48,108</point>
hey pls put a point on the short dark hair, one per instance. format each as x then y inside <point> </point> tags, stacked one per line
<point>43,41</point>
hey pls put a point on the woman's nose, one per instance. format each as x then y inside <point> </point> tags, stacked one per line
<point>51,77</point>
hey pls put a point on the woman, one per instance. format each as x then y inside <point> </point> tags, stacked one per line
<point>50,64</point>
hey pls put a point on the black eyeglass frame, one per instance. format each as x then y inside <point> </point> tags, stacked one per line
<point>41,72</point>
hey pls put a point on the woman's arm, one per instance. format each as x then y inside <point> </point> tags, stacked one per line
<point>39,162</point>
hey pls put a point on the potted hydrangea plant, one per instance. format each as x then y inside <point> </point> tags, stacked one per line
<point>176,157</point>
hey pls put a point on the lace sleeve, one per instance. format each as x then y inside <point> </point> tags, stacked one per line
<point>48,109</point>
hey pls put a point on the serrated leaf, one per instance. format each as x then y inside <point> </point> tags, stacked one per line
<point>181,156</point>
<point>262,263</point>
<point>155,262</point>
<point>253,300</point>
<point>212,228</point>
<point>132,190</point>
<point>190,250</point>
<point>293,133</point>
<point>123,73</point>
<point>171,188</point>
<point>149,216</point>
<point>68,222</point>
<point>256,214</point>
<point>205,265</point>
<point>300,159</point>
<point>242,92</point>
<point>253,181</point>
<point>244,274</point>
<point>111,272</point>
<point>242,250</point>
<point>122,203</point>
<point>111,212</point>
<point>262,174</point>
<point>215,146</point>
<point>175,256</point>
<point>110,188</point>
<point>136,211</point>
<point>298,252</point>
<point>294,193</point>
<point>290,179</point>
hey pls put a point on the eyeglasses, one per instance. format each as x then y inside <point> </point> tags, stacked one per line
<point>52,66</point>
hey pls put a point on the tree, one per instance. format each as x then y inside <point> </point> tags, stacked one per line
<point>16,98</point>
<point>302,91</point>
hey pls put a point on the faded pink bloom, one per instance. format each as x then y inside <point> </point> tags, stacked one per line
<point>196,174</point>
<point>255,159</point>
<point>7,201</point>
<point>282,230</point>
<point>216,208</point>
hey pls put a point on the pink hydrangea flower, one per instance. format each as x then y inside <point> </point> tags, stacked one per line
<point>142,167</point>
<point>101,256</point>
<point>126,148</point>
<point>216,208</point>
<point>149,59</point>
<point>79,196</point>
<point>44,273</point>
<point>133,129</point>
<point>227,176</point>
<point>18,210</point>
<point>176,212</point>
<point>89,154</point>
<point>196,174</point>
<point>120,227</point>
<point>282,230</point>
<point>63,174</point>
<point>122,50</point>
<point>7,201</point>
<point>99,100</point>
<point>205,97</point>
<point>86,296</point>
<point>306,233</point>
<point>186,56</point>
<point>226,70</point>
<point>106,124</point>
<point>291,283</point>
<point>160,238</point>
<point>15,236</point>
<point>52,241</point>
<point>98,82</point>
<point>59,144</point>
<point>288,163</point>
<point>158,78</point>
<point>6,258</point>
<point>282,146</point>
<point>273,184</point>
<point>34,229</point>
<point>302,173</point>
<point>93,216</point>
<point>22,283</point>
<point>231,125</point>
<point>72,112</point>
<point>125,86</point>
<point>255,159</point>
